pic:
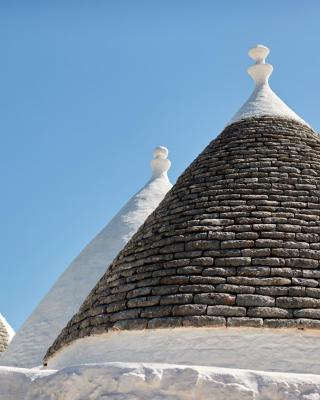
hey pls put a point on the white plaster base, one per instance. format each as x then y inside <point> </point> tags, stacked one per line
<point>132,381</point>
<point>287,350</point>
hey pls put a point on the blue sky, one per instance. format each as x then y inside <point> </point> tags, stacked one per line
<point>89,88</point>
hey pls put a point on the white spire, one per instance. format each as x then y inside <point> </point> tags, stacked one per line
<point>160,164</point>
<point>263,101</point>
<point>65,297</point>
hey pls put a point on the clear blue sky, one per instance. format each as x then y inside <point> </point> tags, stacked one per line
<point>89,88</point>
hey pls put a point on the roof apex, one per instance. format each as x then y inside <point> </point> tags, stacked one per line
<point>263,101</point>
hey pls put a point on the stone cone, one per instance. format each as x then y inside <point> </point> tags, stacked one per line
<point>234,243</point>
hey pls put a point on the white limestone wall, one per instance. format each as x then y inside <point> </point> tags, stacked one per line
<point>134,381</point>
<point>287,350</point>
<point>63,300</point>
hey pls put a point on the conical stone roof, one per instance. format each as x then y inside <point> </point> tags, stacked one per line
<point>65,297</point>
<point>234,243</point>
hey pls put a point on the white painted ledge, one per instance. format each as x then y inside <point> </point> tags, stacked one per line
<point>287,350</point>
<point>133,381</point>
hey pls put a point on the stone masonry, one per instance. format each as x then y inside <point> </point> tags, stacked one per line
<point>234,243</point>
<point>4,337</point>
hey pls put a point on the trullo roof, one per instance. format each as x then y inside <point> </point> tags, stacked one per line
<point>64,298</point>
<point>234,243</point>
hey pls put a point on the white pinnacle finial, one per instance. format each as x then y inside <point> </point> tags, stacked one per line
<point>260,71</point>
<point>259,53</point>
<point>263,101</point>
<point>160,164</point>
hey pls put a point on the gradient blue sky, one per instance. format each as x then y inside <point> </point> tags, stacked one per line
<point>89,88</point>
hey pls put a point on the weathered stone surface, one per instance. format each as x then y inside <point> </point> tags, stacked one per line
<point>203,245</point>
<point>297,302</point>
<point>144,301</point>
<point>311,273</point>
<point>302,263</point>
<point>280,323</point>
<point>125,324</point>
<point>268,243</point>
<point>165,289</point>
<point>311,292</point>
<point>297,291</point>
<point>269,312</point>
<point>307,313</point>
<point>189,309</point>
<point>242,280</point>
<point>165,322</point>
<point>272,290</point>
<point>254,271</point>
<point>144,291</point>
<point>305,282</point>
<point>221,235</point>
<point>204,321</point>
<point>286,272</point>
<point>197,288</point>
<point>215,298</point>
<point>247,235</point>
<point>157,311</point>
<point>283,252</point>
<point>227,311</point>
<point>203,261</point>
<point>268,261</point>
<point>209,280</point>
<point>251,300</point>
<point>216,271</point>
<point>174,280</point>
<point>177,299</point>
<point>240,229</point>
<point>233,261</point>
<point>244,321</point>
<point>237,244</point>
<point>256,252</point>
<point>190,270</point>
<point>304,323</point>
<point>126,314</point>
<point>235,288</point>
